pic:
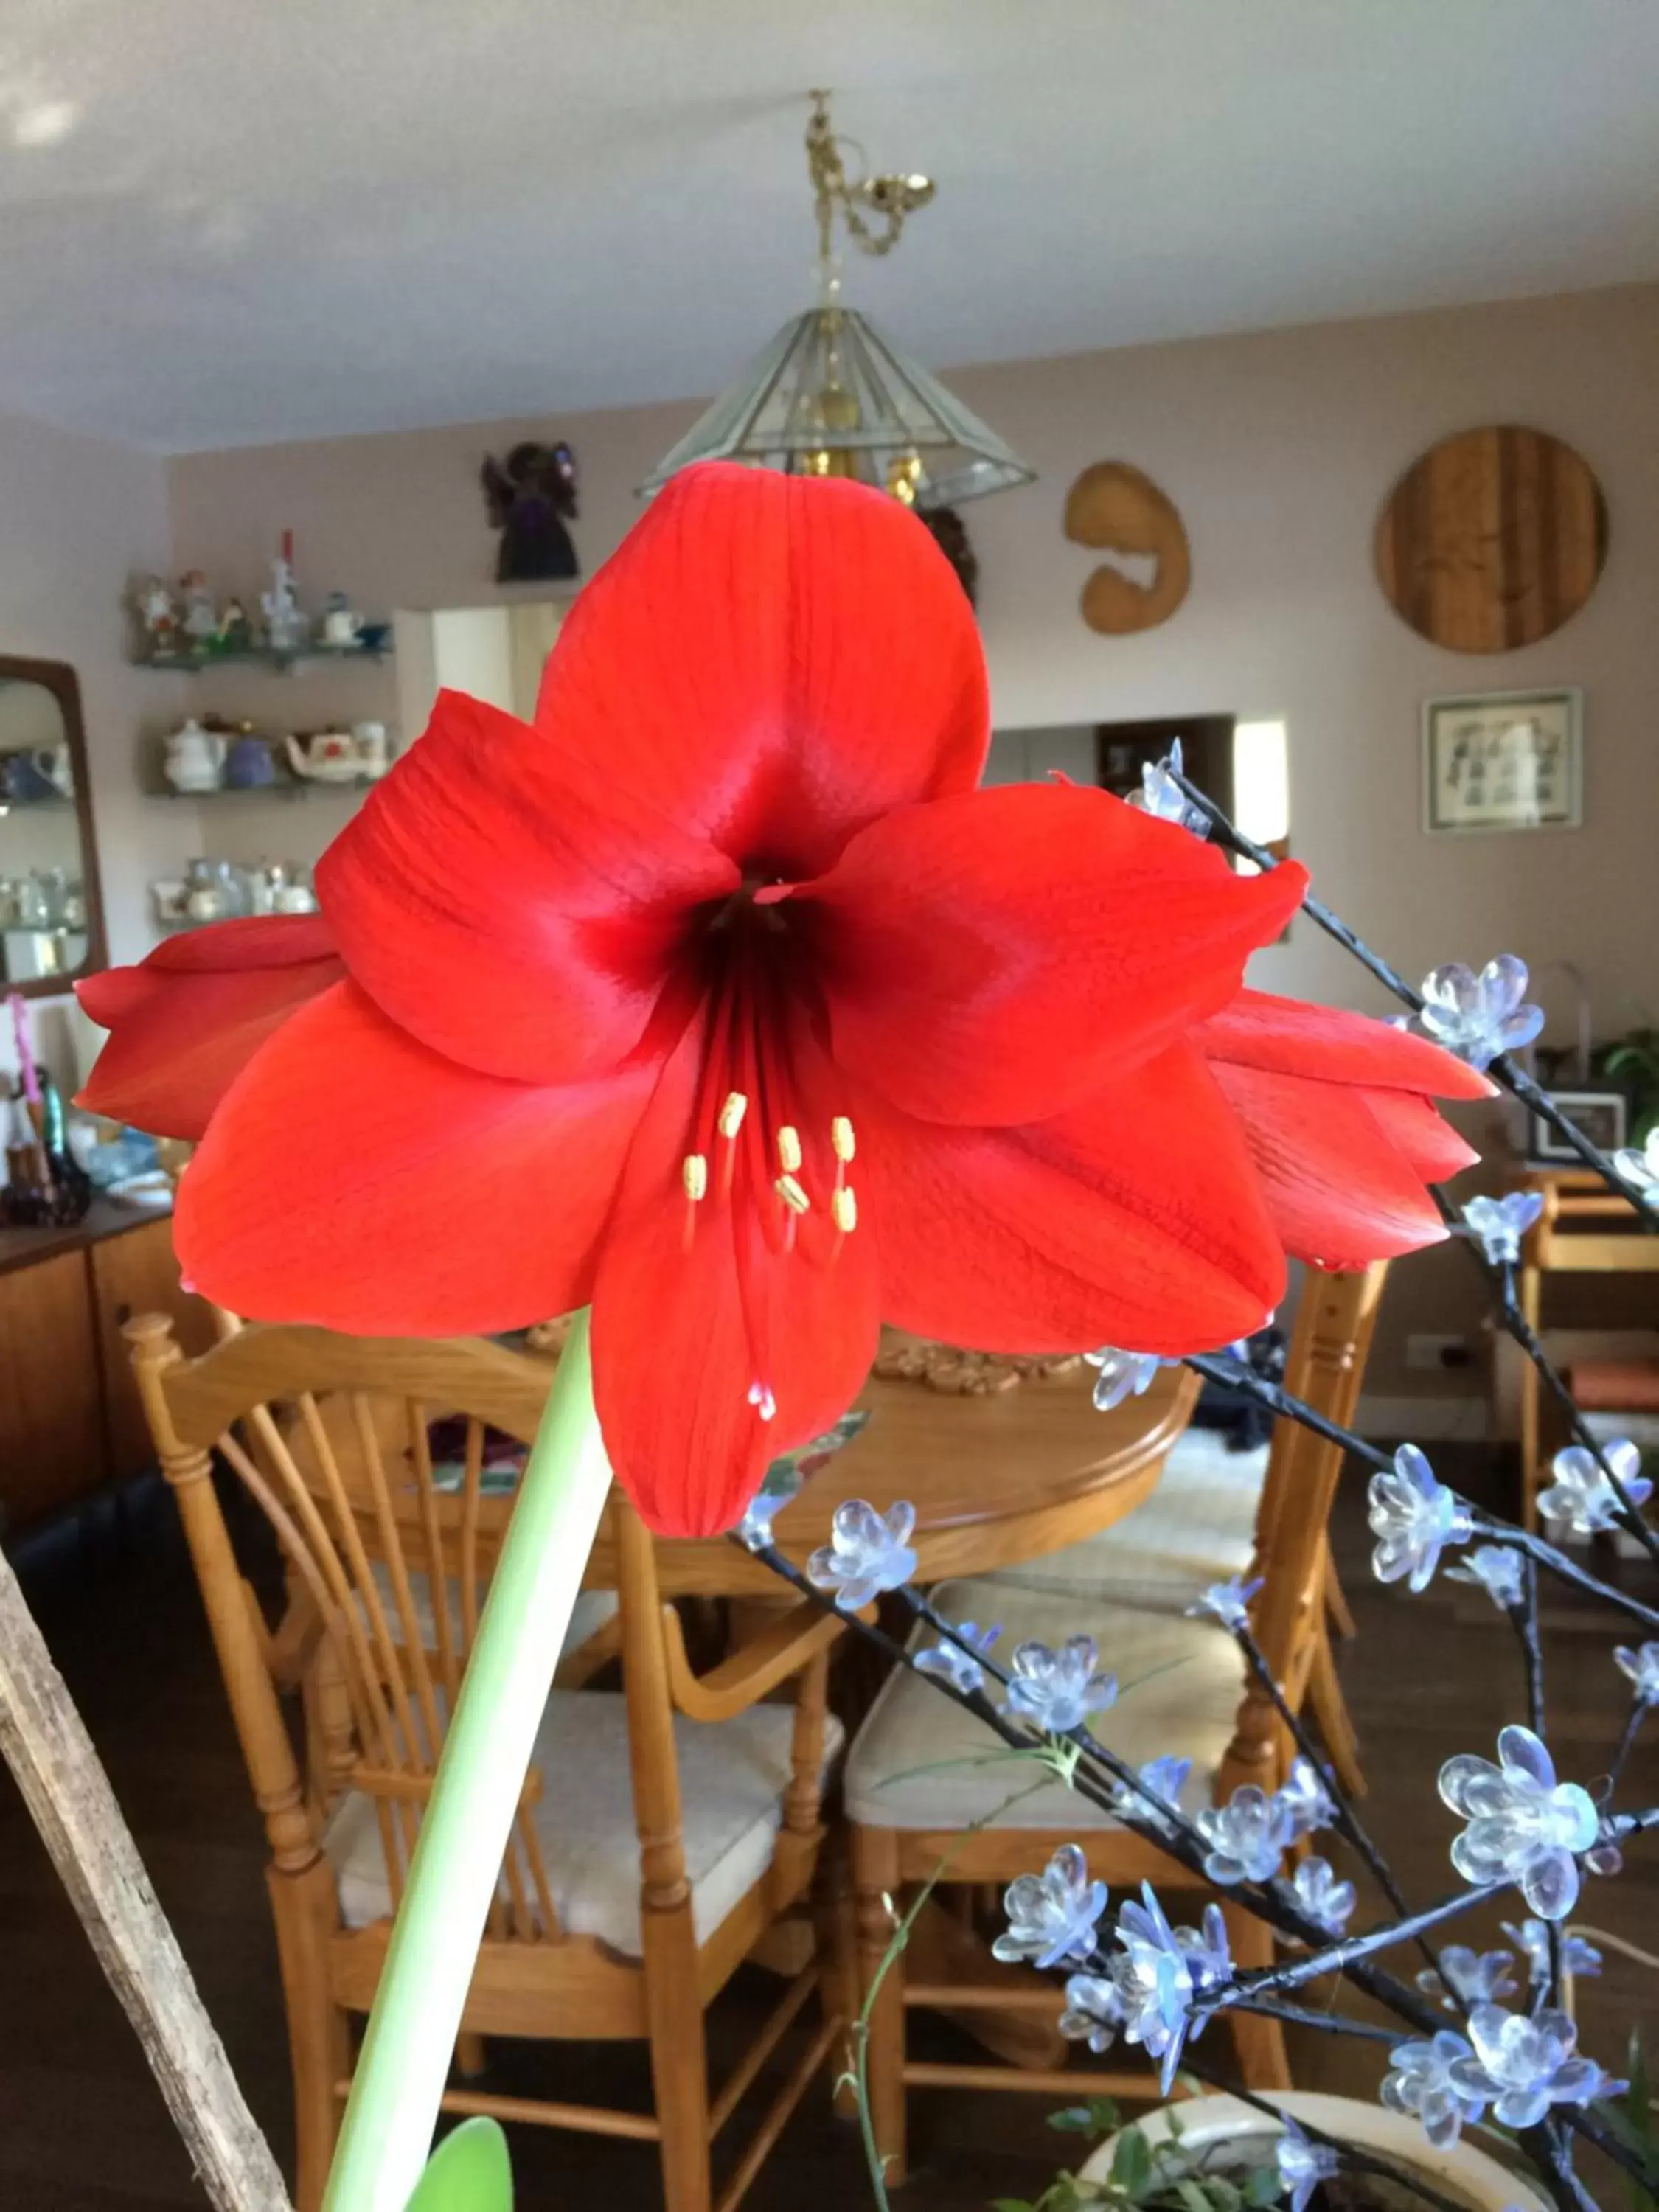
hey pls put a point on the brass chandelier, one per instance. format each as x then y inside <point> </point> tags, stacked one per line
<point>831,395</point>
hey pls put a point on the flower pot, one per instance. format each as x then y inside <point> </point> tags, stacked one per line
<point>1463,2172</point>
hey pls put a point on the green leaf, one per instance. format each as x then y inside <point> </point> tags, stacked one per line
<point>1132,2162</point>
<point>1192,2196</point>
<point>1262,2185</point>
<point>469,2172</point>
<point>1010,2204</point>
<point>1099,2116</point>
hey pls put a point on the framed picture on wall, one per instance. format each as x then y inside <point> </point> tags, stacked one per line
<point>1600,1114</point>
<point>1502,760</point>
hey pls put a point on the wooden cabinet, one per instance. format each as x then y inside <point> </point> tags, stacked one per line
<point>52,1414</point>
<point>69,1416</point>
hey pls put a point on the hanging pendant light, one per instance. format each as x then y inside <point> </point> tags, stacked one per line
<point>832,395</point>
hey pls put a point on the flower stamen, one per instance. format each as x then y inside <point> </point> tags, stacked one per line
<point>792,1195</point>
<point>789,1152</point>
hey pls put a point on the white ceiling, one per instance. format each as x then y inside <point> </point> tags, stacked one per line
<point>230,220</point>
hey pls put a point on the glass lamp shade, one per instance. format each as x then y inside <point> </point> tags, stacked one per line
<point>831,396</point>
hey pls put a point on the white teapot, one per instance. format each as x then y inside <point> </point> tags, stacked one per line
<point>195,757</point>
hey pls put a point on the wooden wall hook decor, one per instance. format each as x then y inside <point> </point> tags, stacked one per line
<point>1492,539</point>
<point>1120,509</point>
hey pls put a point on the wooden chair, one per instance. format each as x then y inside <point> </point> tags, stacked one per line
<point>921,1809</point>
<point>1200,1526</point>
<point>663,1831</point>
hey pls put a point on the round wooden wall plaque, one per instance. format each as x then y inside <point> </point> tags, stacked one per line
<point>1492,539</point>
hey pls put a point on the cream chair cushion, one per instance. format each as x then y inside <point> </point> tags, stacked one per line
<point>1197,1527</point>
<point>733,1777</point>
<point>920,1761</point>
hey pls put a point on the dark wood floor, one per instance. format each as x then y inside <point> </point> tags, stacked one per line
<point>83,2130</point>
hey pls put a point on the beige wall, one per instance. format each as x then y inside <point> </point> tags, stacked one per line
<point>1279,450</point>
<point>78,517</point>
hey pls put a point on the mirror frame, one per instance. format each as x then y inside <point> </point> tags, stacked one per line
<point>59,677</point>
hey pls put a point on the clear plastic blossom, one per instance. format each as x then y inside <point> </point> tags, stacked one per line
<point>1321,1896</point>
<point>1058,1690</point>
<point>1479,1016</point>
<point>1582,1499</point>
<point>1120,1375</point>
<point>1247,1835</point>
<point>1532,1938</point>
<point>1094,2011</point>
<point>1158,1970</point>
<point>952,1664</point>
<point>1302,2165</point>
<point>1304,1800</point>
<point>1413,1516</point>
<point>1228,1602</point>
<point>1641,1169</point>
<point>1496,1569</point>
<point>1053,1916</point>
<point>755,1529</point>
<point>1423,2079</point>
<point>867,1553</point>
<point>1498,1224</point>
<point>1166,1778</point>
<point>1161,796</point>
<point>1524,1826</point>
<point>1523,2066</point>
<point>1642,1666</point>
<point>1473,1977</point>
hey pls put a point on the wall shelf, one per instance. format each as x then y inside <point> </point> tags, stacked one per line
<point>263,656</point>
<point>289,787</point>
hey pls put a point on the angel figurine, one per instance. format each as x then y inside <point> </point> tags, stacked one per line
<point>530,494</point>
<point>159,618</point>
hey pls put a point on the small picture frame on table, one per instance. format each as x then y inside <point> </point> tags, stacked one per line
<point>1602,1114</point>
<point>1502,760</point>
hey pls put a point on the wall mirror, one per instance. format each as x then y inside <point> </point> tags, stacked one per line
<point>51,918</point>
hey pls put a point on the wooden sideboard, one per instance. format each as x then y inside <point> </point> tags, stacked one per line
<point>69,1416</point>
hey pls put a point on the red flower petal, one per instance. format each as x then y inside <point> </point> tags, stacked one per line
<point>185,1022</point>
<point>504,905</point>
<point>773,661</point>
<point>354,1180</point>
<point>682,1331</point>
<point>1420,1133</point>
<point>1341,1191</point>
<point>1134,1219</point>
<point>988,958</point>
<point>1293,1039</point>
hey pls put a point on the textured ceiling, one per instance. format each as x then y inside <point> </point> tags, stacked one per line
<point>230,220</point>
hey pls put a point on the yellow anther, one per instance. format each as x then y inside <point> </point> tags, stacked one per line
<point>792,1195</point>
<point>789,1148</point>
<point>732,1113</point>
<point>694,1174</point>
<point>840,1138</point>
<point>844,1210</point>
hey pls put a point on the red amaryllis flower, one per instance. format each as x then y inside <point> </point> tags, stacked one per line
<point>1337,1113</point>
<point>720,999</point>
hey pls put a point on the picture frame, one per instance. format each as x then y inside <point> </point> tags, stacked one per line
<point>1496,761</point>
<point>1602,1114</point>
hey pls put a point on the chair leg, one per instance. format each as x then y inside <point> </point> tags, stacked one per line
<point>836,1921</point>
<point>875,1874</point>
<point>1258,2041</point>
<point>470,2056</point>
<point>1337,1611</point>
<point>1330,1710</point>
<point>679,2057</point>
<point>319,2033</point>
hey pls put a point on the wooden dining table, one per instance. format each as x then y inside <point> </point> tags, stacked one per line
<point>995,1479</point>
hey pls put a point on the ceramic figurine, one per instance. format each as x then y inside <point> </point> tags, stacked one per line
<point>159,618</point>
<point>201,621</point>
<point>288,627</point>
<point>234,633</point>
<point>529,496</point>
<point>341,624</point>
<point>195,757</point>
<point>250,765</point>
<point>329,756</point>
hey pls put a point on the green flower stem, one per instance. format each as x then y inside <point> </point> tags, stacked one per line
<point>393,2106</point>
